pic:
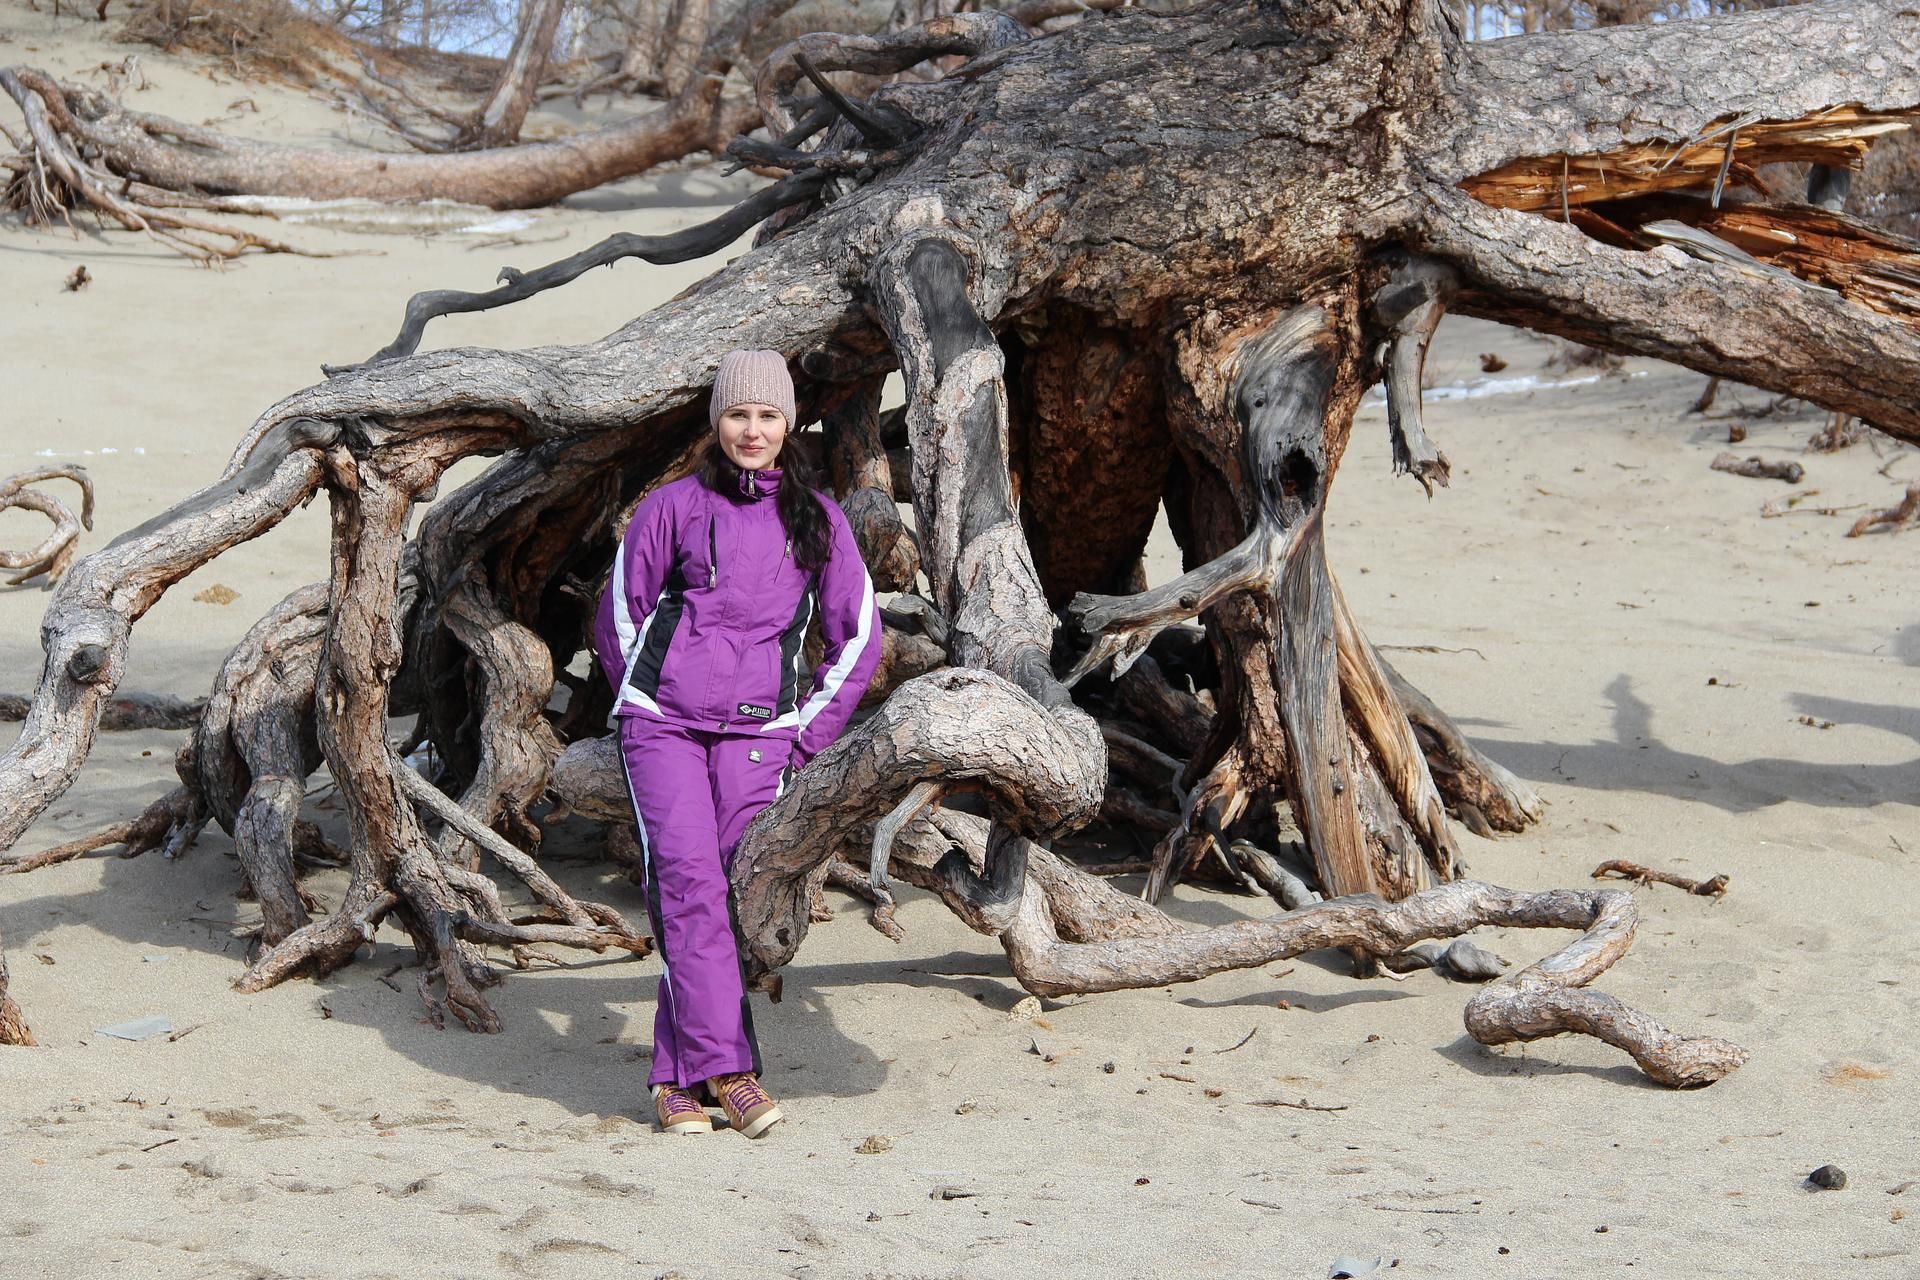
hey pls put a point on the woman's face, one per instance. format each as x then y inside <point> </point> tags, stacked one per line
<point>751,435</point>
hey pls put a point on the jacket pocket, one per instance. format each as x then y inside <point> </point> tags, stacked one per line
<point>713,552</point>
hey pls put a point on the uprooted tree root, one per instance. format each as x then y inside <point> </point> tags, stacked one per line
<point>51,176</point>
<point>1034,242</point>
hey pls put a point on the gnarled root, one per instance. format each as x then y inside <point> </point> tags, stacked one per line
<point>1547,998</point>
<point>59,175</point>
<point>962,727</point>
<point>172,821</point>
<point>1374,705</point>
<point>1410,305</point>
<point>516,286</point>
<point>922,796</point>
<point>1071,934</point>
<point>55,551</point>
<point>903,656</point>
<point>1207,812</point>
<point>863,479</point>
<point>447,909</point>
<point>96,603</point>
<point>1840,431</point>
<point>255,747</point>
<point>965,34</point>
<point>1480,792</point>
<point>1542,1000</point>
<point>589,924</point>
<point>1349,762</point>
<point>1904,516</point>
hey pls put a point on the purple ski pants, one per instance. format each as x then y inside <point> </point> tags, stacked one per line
<point>693,793</point>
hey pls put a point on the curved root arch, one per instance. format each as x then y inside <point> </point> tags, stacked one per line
<point>53,553</point>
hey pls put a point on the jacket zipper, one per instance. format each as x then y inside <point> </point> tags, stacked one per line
<point>713,554</point>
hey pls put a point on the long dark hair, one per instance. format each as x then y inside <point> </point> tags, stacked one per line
<point>799,500</point>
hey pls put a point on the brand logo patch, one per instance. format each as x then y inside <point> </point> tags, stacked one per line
<point>758,713</point>
<point>754,755</point>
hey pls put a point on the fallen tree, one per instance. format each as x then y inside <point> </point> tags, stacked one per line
<point>1227,223</point>
<point>83,148</point>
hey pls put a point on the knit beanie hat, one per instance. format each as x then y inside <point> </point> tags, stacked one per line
<point>751,377</point>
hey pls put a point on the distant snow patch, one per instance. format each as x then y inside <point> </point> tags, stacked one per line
<point>1481,388</point>
<point>379,217</point>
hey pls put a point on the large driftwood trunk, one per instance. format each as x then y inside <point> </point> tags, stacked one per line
<point>1241,216</point>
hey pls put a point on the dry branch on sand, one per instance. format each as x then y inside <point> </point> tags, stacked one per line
<point>1619,869</point>
<point>1757,468</point>
<point>1903,515</point>
<point>1104,196</point>
<point>53,553</point>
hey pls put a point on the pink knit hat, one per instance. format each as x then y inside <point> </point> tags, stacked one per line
<point>751,377</point>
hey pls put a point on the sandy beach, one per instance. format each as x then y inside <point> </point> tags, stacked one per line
<point>1689,684</point>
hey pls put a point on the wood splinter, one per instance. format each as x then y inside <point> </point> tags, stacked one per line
<point>1411,304</point>
<point>885,832</point>
<point>1620,870</point>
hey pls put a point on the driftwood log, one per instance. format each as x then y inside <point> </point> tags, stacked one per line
<point>1225,224</point>
<point>158,175</point>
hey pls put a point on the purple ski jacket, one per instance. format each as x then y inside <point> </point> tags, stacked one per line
<point>706,613</point>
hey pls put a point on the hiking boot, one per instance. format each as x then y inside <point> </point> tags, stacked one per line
<point>747,1105</point>
<point>679,1111</point>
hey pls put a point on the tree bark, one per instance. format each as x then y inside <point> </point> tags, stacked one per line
<point>497,122</point>
<point>685,33</point>
<point>255,747</point>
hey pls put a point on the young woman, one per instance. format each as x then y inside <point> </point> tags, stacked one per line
<point>700,632</point>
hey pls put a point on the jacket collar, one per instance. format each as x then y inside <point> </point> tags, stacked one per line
<point>764,483</point>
